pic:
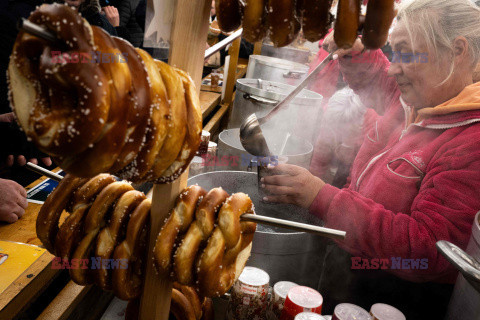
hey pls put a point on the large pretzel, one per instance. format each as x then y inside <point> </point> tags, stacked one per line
<point>71,230</point>
<point>198,233</point>
<point>127,282</point>
<point>123,113</point>
<point>110,236</point>
<point>228,247</point>
<point>95,220</point>
<point>49,214</point>
<point>177,224</point>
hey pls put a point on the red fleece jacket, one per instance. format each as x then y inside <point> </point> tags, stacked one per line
<point>411,186</point>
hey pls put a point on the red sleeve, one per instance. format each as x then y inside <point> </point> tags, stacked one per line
<point>444,209</point>
<point>366,74</point>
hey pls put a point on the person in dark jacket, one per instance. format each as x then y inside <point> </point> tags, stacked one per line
<point>91,11</point>
<point>131,24</point>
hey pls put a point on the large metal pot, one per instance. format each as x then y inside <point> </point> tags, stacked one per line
<point>298,151</point>
<point>274,69</point>
<point>465,301</point>
<point>283,254</point>
<point>258,96</point>
<point>287,53</point>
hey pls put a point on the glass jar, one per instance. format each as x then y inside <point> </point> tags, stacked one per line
<point>309,316</point>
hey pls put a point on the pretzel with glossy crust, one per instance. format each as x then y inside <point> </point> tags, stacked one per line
<point>228,248</point>
<point>95,220</point>
<point>43,93</point>
<point>110,236</point>
<point>198,233</point>
<point>71,230</point>
<point>50,212</point>
<point>127,283</point>
<point>193,134</point>
<point>176,224</point>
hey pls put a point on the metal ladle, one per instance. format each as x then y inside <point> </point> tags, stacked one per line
<point>251,135</point>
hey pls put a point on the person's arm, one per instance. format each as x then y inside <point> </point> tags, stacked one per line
<point>365,71</point>
<point>125,12</point>
<point>444,209</point>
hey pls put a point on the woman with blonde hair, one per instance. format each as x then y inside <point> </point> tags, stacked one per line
<point>416,177</point>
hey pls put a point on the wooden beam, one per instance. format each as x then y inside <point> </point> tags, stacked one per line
<point>187,51</point>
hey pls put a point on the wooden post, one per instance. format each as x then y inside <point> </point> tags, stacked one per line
<point>187,51</point>
<point>257,48</point>
<point>232,71</point>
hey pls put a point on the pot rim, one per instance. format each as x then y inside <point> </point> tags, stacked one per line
<point>278,63</point>
<point>306,153</point>
<point>306,97</point>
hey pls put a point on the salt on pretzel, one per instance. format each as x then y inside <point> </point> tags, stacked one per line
<point>176,130</point>
<point>124,113</point>
<point>160,120</point>
<point>192,297</point>
<point>176,224</point>
<point>110,236</point>
<point>95,220</point>
<point>193,134</point>
<point>228,247</point>
<point>101,154</point>
<point>127,283</point>
<point>50,212</point>
<point>198,233</point>
<point>42,94</point>
<point>140,107</point>
<point>71,230</point>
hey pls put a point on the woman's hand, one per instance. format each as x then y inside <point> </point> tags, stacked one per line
<point>330,46</point>
<point>291,184</point>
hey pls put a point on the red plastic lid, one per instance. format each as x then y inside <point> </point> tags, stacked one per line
<point>301,299</point>
<point>381,311</point>
<point>348,311</point>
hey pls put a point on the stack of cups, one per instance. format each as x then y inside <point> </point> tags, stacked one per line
<point>348,311</point>
<point>301,299</point>
<point>249,297</point>
<point>280,291</point>
<point>381,311</point>
<point>309,316</point>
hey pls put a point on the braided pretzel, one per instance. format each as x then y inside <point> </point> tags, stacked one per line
<point>177,223</point>
<point>43,95</point>
<point>177,127</point>
<point>228,247</point>
<point>110,236</point>
<point>70,232</point>
<point>49,214</point>
<point>192,298</point>
<point>140,119</point>
<point>198,233</point>
<point>157,130</point>
<point>102,153</point>
<point>183,301</point>
<point>127,283</point>
<point>193,135</point>
<point>94,221</point>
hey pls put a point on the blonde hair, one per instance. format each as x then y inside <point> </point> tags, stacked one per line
<point>439,23</point>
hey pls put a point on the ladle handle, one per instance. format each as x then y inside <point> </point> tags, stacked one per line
<point>274,222</point>
<point>297,90</point>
